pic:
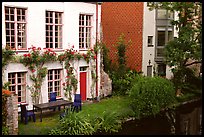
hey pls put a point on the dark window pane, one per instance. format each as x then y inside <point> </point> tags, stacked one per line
<point>12,18</point>
<point>161,38</point>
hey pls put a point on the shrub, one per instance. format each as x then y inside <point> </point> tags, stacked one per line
<point>73,124</point>
<point>122,85</point>
<point>108,122</point>
<point>150,94</point>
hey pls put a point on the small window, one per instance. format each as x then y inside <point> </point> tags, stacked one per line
<point>83,68</point>
<point>150,41</point>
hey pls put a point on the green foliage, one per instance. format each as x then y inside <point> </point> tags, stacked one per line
<point>150,94</point>
<point>120,74</point>
<point>122,85</point>
<point>5,130</point>
<point>7,56</point>
<point>72,124</point>
<point>186,80</point>
<point>188,46</point>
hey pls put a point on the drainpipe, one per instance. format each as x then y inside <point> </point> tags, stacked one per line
<point>96,51</point>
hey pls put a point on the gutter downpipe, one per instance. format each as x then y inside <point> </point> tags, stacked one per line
<point>96,51</point>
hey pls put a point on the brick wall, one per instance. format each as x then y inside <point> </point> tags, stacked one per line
<point>12,117</point>
<point>127,18</point>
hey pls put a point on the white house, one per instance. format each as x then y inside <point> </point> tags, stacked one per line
<point>54,25</point>
<point>157,31</point>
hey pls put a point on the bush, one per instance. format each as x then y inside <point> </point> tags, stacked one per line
<point>73,124</point>
<point>122,85</point>
<point>108,122</point>
<point>150,94</point>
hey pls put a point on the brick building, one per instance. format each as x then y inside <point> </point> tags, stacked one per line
<point>148,30</point>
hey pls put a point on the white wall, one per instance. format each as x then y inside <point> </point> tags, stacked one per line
<point>36,34</point>
<point>148,53</point>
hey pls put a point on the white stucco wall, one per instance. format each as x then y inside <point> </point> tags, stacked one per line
<point>149,29</point>
<point>148,53</point>
<point>36,36</point>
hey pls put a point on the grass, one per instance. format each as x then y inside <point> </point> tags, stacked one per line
<point>51,119</point>
<point>118,104</point>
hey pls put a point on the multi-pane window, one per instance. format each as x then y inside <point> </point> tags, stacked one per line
<point>164,14</point>
<point>18,85</point>
<point>85,26</point>
<point>150,41</point>
<point>163,37</point>
<point>15,21</point>
<point>53,29</point>
<point>54,81</point>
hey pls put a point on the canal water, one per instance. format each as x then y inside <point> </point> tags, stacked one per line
<point>187,121</point>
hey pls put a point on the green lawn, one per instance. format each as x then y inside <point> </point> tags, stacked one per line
<point>51,119</point>
<point>117,104</point>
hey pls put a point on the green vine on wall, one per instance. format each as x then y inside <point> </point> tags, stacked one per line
<point>70,80</point>
<point>35,60</point>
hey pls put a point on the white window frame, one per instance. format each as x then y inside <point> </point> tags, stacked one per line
<point>85,41</point>
<point>16,84</point>
<point>53,80</point>
<point>55,44</point>
<point>13,44</point>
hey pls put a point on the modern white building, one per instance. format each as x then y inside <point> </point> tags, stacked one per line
<point>157,31</point>
<point>55,25</point>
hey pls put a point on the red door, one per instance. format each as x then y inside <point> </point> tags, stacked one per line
<point>83,85</point>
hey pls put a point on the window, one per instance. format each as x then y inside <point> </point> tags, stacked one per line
<point>161,38</point>
<point>162,69</point>
<point>150,43</point>
<point>164,14</point>
<point>18,85</point>
<point>160,52</point>
<point>15,21</point>
<point>85,26</point>
<point>53,29</point>
<point>54,81</point>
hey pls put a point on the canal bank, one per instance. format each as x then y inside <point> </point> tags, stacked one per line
<point>185,119</point>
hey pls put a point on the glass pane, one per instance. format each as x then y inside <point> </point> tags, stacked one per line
<point>160,52</point>
<point>161,14</point>
<point>12,18</point>
<point>161,38</point>
<point>170,35</point>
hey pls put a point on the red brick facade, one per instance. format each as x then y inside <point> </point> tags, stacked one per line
<point>127,18</point>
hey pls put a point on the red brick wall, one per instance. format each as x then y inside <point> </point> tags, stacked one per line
<point>127,18</point>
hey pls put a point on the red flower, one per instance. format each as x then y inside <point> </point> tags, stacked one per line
<point>92,50</point>
<point>33,70</point>
<point>25,55</point>
<point>39,48</point>
<point>63,84</point>
<point>67,76</point>
<point>49,49</point>
<point>28,55</point>
<point>16,52</point>
<point>72,46</point>
<point>29,48</point>
<point>33,48</point>
<point>72,53</point>
<point>95,57</point>
<point>44,48</point>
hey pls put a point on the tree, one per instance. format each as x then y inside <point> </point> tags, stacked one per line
<point>185,50</point>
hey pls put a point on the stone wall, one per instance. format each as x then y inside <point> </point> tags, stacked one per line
<point>12,117</point>
<point>106,84</point>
